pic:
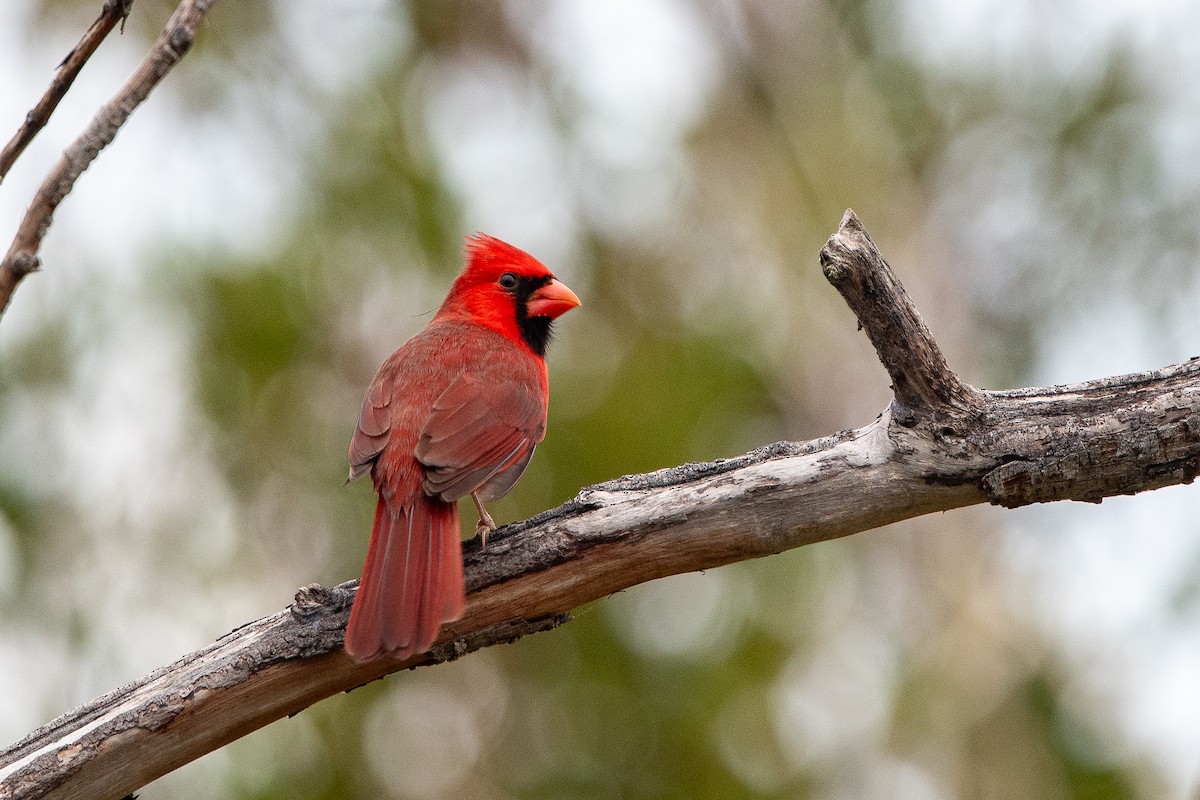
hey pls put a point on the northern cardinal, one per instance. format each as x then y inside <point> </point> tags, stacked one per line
<point>456,411</point>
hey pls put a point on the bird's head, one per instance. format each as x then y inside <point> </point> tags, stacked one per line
<point>509,290</point>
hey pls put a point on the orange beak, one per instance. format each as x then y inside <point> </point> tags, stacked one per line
<point>552,300</point>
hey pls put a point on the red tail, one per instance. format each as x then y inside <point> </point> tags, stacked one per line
<point>411,583</point>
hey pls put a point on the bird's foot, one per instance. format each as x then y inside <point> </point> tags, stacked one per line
<point>485,525</point>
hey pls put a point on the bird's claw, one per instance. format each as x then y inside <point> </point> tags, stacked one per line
<point>482,530</point>
<point>485,525</point>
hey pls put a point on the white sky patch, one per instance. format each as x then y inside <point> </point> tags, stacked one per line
<point>1069,38</point>
<point>494,135</point>
<point>229,174</point>
<point>640,75</point>
<point>1113,338</point>
<point>367,33</point>
<point>642,68</point>
<point>1106,583</point>
<point>1162,704</point>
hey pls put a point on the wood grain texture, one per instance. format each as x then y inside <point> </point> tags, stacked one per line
<point>945,445</point>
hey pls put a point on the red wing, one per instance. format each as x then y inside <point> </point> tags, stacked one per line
<point>374,424</point>
<point>480,426</point>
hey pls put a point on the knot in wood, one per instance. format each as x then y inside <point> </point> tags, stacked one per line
<point>24,263</point>
<point>314,599</point>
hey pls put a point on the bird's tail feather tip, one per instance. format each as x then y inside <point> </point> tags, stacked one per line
<point>412,583</point>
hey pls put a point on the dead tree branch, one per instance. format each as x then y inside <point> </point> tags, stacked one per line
<point>940,445</point>
<point>170,47</point>
<point>114,11</point>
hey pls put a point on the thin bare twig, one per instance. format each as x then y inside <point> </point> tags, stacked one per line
<point>114,11</point>
<point>172,45</point>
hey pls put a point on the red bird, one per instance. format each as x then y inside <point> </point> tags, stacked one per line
<point>456,411</point>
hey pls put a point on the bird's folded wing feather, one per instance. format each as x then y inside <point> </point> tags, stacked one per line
<point>481,425</point>
<point>374,423</point>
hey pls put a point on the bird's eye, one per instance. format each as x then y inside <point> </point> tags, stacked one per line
<point>508,281</point>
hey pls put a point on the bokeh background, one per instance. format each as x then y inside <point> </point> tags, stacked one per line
<point>178,385</point>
